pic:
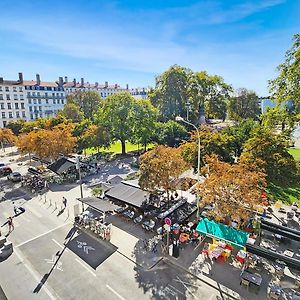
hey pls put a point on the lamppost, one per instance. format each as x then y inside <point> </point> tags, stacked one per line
<point>80,180</point>
<point>180,119</point>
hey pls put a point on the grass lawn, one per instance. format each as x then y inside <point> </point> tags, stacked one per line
<point>117,148</point>
<point>295,152</point>
<point>287,195</point>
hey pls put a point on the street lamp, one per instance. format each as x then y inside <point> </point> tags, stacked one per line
<point>180,119</point>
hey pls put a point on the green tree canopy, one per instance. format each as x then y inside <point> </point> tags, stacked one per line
<point>244,105</point>
<point>87,101</point>
<point>271,149</point>
<point>286,86</point>
<point>72,111</point>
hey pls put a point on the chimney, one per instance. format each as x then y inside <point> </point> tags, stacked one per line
<point>60,81</point>
<point>38,79</point>
<point>66,79</point>
<point>21,77</point>
<point>82,81</point>
<point>106,84</point>
<point>116,85</point>
<point>1,79</point>
<point>127,87</point>
<point>74,82</point>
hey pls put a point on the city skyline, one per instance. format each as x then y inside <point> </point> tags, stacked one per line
<point>132,42</point>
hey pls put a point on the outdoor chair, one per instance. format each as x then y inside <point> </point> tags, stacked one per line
<point>245,283</point>
<point>274,296</point>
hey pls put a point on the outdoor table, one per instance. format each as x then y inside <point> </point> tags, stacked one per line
<point>184,237</point>
<point>288,253</point>
<point>252,278</point>
<point>216,252</point>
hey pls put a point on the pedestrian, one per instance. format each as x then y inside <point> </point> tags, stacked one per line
<point>10,225</point>
<point>65,202</point>
<point>15,209</point>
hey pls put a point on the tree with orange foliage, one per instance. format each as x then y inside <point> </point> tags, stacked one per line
<point>7,137</point>
<point>160,168</point>
<point>48,144</point>
<point>234,190</point>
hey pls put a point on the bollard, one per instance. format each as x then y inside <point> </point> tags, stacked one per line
<point>50,202</point>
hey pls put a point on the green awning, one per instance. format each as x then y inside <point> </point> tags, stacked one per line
<point>230,235</point>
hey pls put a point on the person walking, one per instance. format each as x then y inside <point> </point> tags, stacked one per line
<point>65,202</point>
<point>10,223</point>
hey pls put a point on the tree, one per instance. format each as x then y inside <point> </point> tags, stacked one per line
<point>244,105</point>
<point>170,93</point>
<point>87,101</point>
<point>234,190</point>
<point>117,114</point>
<point>16,126</point>
<point>271,149</point>
<point>211,142</point>
<point>159,169</point>
<point>47,144</point>
<point>275,116</point>
<point>145,116</point>
<point>170,133</point>
<point>239,134</point>
<point>209,91</point>
<point>286,86</point>
<point>72,111</point>
<point>7,137</point>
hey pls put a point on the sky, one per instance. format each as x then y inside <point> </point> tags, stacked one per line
<point>134,41</point>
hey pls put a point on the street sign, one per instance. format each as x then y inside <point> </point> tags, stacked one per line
<point>168,221</point>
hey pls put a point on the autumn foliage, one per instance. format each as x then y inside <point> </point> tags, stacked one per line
<point>47,144</point>
<point>7,136</point>
<point>160,168</point>
<point>234,190</point>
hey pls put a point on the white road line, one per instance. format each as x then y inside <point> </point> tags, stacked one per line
<point>85,267</point>
<point>116,293</point>
<point>38,236</point>
<point>35,276</point>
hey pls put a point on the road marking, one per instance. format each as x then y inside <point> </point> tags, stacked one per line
<point>52,261</point>
<point>40,235</point>
<point>85,267</point>
<point>31,209</point>
<point>35,276</point>
<point>116,293</point>
<point>86,248</point>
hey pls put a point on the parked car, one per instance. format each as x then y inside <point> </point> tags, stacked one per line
<point>15,177</point>
<point>119,210</point>
<point>138,219</point>
<point>290,214</point>
<point>5,170</point>
<point>2,164</point>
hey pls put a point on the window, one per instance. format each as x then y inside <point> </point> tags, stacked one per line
<point>4,123</point>
<point>9,105</point>
<point>61,94</point>
<point>1,97</point>
<point>29,101</point>
<point>34,101</point>
<point>47,101</point>
<point>16,105</point>
<point>39,101</point>
<point>20,89</point>
<point>31,116</point>
<point>57,101</point>
<point>21,97</point>
<point>62,101</point>
<point>3,115</point>
<point>6,89</point>
<point>54,102</point>
<point>14,89</point>
<point>17,114</point>
<point>2,105</point>
<point>33,94</point>
<point>53,94</point>
<point>15,97</point>
<point>22,106</point>
<point>49,88</point>
<point>46,94</point>
<point>30,108</point>
<point>40,108</point>
<point>28,94</point>
<point>23,114</point>
<point>38,94</point>
<point>57,94</point>
<point>7,97</point>
<point>10,115</point>
<point>0,88</point>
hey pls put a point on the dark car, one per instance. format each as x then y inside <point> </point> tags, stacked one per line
<point>5,170</point>
<point>15,177</point>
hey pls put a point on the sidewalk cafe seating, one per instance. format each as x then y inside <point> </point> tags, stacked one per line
<point>254,279</point>
<point>274,290</point>
<point>241,256</point>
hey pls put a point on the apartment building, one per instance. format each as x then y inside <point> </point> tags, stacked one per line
<point>12,100</point>
<point>33,99</point>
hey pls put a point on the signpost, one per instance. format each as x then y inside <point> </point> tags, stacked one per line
<point>167,226</point>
